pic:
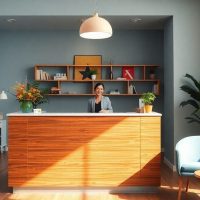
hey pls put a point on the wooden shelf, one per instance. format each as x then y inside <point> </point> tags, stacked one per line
<point>141,78</point>
<point>138,94</point>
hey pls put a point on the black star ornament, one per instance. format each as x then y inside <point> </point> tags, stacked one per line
<point>86,73</point>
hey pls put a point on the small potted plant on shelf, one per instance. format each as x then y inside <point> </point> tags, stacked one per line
<point>93,74</point>
<point>148,98</point>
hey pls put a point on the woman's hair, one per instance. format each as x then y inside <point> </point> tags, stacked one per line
<point>98,84</point>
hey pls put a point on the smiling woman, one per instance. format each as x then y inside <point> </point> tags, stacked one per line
<point>99,103</point>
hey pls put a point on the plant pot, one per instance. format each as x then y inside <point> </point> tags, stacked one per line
<point>148,108</point>
<point>26,106</point>
<point>93,76</point>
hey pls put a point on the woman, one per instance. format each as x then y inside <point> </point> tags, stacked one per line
<point>99,103</point>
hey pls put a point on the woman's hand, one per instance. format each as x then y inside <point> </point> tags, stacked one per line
<point>104,111</point>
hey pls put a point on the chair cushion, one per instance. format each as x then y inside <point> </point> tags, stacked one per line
<point>189,168</point>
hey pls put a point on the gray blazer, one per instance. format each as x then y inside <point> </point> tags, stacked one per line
<point>105,104</point>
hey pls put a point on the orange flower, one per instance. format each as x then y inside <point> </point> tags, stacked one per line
<point>29,92</point>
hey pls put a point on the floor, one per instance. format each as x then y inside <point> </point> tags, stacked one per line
<point>167,191</point>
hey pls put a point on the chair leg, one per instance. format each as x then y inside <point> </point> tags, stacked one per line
<point>180,184</point>
<point>187,184</point>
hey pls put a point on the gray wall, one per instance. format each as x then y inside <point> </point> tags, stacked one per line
<point>21,50</point>
<point>186,43</point>
<point>168,117</point>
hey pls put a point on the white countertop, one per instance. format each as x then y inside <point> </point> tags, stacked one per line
<point>19,114</point>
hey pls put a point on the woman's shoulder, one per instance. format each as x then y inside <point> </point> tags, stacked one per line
<point>91,99</point>
<point>106,98</point>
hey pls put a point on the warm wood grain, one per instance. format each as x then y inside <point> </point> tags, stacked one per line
<point>67,68</point>
<point>80,151</point>
<point>150,147</point>
<point>168,189</point>
<point>17,142</point>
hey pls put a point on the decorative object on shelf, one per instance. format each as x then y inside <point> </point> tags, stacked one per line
<point>60,76</point>
<point>29,93</point>
<point>92,61</point>
<point>194,91</point>
<point>152,74</point>
<point>128,73</point>
<point>93,77</point>
<point>95,27</point>
<point>111,75</point>
<point>155,89</point>
<point>93,74</point>
<point>114,91</point>
<point>148,98</point>
<point>3,95</point>
<point>55,90</point>
<point>86,73</point>
<point>121,79</point>
<point>131,89</point>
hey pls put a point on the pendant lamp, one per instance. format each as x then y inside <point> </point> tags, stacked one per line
<point>95,27</point>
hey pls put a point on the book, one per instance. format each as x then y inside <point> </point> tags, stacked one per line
<point>128,73</point>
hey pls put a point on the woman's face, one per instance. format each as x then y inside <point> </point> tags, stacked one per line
<point>99,90</point>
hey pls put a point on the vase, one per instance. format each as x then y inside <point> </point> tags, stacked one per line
<point>26,106</point>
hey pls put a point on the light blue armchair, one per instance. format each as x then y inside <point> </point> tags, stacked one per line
<point>187,159</point>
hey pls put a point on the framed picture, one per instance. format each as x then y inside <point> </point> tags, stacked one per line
<point>128,73</point>
<point>85,64</point>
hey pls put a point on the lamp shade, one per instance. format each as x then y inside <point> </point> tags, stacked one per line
<point>3,95</point>
<point>95,27</point>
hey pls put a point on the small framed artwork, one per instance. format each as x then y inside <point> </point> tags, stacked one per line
<point>85,64</point>
<point>128,73</point>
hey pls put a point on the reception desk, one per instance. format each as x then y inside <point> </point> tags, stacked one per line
<point>83,149</point>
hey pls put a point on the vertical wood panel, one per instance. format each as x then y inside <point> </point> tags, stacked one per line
<point>17,159</point>
<point>150,147</point>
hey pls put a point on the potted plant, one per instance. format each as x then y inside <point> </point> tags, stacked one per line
<point>93,74</point>
<point>148,98</point>
<point>29,95</point>
<point>194,91</point>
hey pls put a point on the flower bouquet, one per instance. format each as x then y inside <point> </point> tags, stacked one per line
<point>29,95</point>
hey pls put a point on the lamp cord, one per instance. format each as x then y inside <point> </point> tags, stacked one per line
<point>95,6</point>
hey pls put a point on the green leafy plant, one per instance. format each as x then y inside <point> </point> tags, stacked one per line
<point>93,71</point>
<point>193,89</point>
<point>148,98</point>
<point>31,92</point>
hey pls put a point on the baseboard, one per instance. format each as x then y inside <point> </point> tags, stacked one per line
<point>169,164</point>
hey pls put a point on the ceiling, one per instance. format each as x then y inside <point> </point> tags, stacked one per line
<point>73,22</point>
